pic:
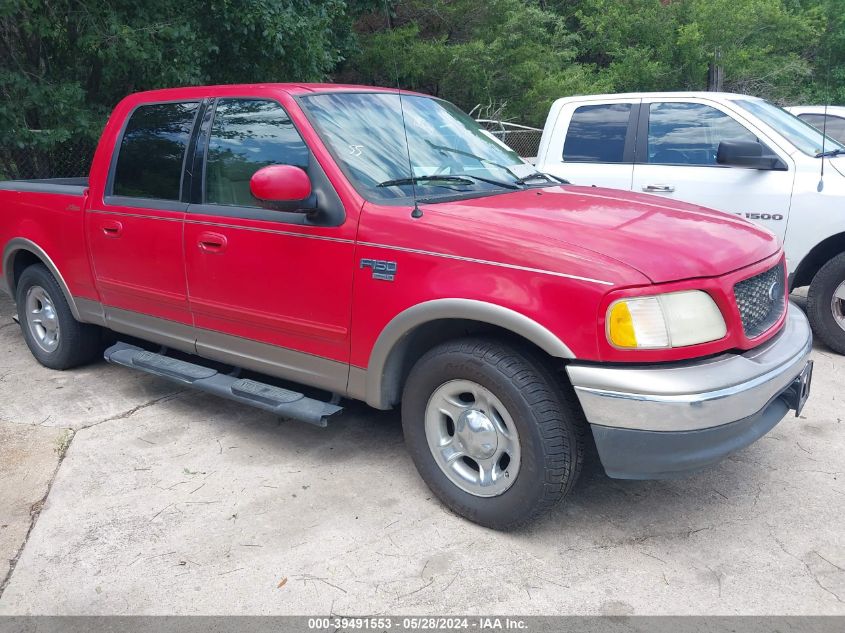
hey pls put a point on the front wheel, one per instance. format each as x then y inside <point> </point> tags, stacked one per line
<point>491,431</point>
<point>826,304</point>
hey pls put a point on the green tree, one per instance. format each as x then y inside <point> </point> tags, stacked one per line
<point>66,63</point>
<point>501,52</point>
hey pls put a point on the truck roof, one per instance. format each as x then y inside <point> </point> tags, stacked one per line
<point>730,96</point>
<point>298,88</point>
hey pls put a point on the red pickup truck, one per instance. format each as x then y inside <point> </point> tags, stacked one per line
<point>262,241</point>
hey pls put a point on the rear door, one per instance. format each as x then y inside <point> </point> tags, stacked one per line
<point>270,290</point>
<point>135,230</point>
<point>676,158</point>
<point>593,142</point>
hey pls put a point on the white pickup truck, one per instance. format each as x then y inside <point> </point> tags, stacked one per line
<point>730,152</point>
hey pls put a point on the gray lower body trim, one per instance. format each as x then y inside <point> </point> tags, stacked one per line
<point>387,355</point>
<point>280,362</point>
<point>90,311</point>
<point>168,333</point>
<point>4,288</point>
<point>694,395</point>
<point>357,385</point>
<point>267,359</point>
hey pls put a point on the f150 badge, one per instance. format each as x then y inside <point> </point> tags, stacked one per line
<point>382,269</point>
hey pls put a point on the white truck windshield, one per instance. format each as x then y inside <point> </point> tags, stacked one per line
<point>803,135</point>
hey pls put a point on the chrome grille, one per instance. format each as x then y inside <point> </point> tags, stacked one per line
<point>761,300</point>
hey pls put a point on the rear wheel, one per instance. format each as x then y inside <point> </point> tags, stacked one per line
<point>491,431</point>
<point>826,303</point>
<point>54,337</point>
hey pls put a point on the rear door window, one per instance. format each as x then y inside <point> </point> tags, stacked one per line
<point>597,134</point>
<point>152,151</point>
<point>246,135</point>
<point>689,133</point>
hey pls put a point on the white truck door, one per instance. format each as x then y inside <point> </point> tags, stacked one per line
<point>590,142</point>
<point>677,144</point>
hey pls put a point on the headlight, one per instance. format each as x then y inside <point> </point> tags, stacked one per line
<point>674,319</point>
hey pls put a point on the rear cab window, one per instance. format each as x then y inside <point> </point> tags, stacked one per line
<point>150,158</point>
<point>598,133</point>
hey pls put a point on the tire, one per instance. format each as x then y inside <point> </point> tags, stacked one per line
<point>54,337</point>
<point>545,459</point>
<point>826,315</point>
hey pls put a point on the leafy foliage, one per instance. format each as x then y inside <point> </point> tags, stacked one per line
<point>65,63</point>
<point>525,53</point>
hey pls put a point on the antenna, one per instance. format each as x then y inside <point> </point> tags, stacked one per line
<point>820,186</point>
<point>416,212</point>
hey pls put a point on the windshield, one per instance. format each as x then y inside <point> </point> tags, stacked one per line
<point>803,135</point>
<point>451,156</point>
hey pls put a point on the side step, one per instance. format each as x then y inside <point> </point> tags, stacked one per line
<point>282,402</point>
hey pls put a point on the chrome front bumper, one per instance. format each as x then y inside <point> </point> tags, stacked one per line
<point>700,411</point>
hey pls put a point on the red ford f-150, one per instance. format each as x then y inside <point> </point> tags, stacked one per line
<point>375,245</point>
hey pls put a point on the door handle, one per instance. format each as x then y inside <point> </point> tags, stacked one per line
<point>211,242</point>
<point>112,228</point>
<point>659,188</point>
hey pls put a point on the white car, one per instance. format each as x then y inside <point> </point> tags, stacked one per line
<point>815,116</point>
<point>730,152</point>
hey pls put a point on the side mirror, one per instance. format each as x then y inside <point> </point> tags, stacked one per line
<point>747,154</point>
<point>280,183</point>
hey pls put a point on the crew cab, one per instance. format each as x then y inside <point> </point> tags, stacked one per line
<point>729,152</point>
<point>289,246</point>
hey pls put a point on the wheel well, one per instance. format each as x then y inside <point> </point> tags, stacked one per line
<point>430,334</point>
<point>21,260</point>
<point>822,253</point>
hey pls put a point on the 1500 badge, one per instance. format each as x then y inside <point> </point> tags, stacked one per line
<point>382,269</point>
<point>761,216</point>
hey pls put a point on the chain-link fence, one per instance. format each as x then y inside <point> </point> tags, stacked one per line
<point>69,159</point>
<point>522,139</point>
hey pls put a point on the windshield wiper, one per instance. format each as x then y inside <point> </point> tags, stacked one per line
<point>481,159</point>
<point>458,179</point>
<point>499,183</point>
<point>432,178</point>
<point>538,174</point>
<point>830,153</point>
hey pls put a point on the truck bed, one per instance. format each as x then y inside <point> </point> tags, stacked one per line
<point>47,185</point>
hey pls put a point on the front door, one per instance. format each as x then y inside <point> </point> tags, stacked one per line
<point>676,158</point>
<point>135,231</point>
<point>269,289</point>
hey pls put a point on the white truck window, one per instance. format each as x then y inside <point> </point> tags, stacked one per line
<point>689,133</point>
<point>597,134</point>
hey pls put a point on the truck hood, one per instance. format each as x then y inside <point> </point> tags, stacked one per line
<point>664,240</point>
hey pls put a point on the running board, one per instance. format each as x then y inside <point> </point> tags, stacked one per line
<point>282,402</point>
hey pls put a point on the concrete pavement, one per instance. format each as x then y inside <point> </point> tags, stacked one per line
<point>169,501</point>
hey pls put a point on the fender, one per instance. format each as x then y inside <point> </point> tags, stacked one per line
<point>18,244</point>
<point>385,365</point>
